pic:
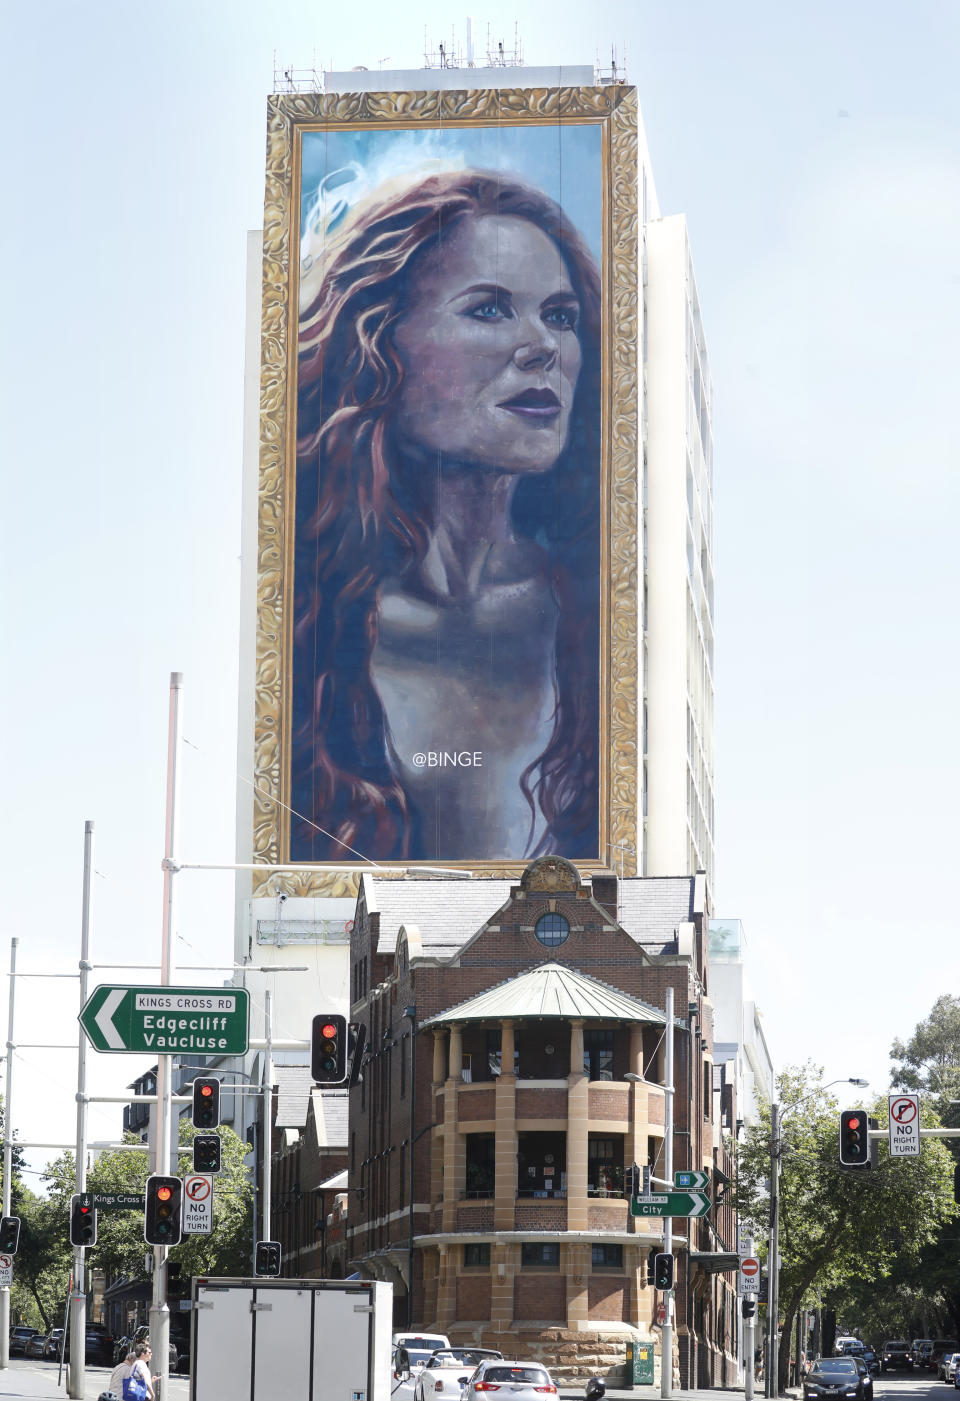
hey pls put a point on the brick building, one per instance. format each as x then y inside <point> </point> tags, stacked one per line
<point>515,1034</point>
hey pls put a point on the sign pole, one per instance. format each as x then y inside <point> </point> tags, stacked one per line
<point>159,1312</point>
<point>666,1332</point>
<point>76,1376</point>
<point>8,1157</point>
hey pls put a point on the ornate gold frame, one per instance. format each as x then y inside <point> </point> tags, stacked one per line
<point>616,109</point>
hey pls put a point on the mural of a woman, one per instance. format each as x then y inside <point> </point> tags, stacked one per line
<point>447,592</point>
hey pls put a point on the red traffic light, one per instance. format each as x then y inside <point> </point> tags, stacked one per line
<point>328,1030</point>
<point>164,1194</point>
<point>853,1123</point>
<point>206,1091</point>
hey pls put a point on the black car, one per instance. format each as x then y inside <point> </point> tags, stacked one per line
<point>871,1358</point>
<point>838,1376</point>
<point>99,1345</point>
<point>896,1353</point>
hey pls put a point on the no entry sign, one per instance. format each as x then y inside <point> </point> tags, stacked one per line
<point>748,1276</point>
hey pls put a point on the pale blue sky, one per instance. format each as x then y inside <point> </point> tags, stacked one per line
<point>814,151</point>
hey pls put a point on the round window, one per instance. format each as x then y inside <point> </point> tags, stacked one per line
<point>551,930</point>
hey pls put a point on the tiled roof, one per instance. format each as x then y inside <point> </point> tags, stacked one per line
<point>446,912</point>
<point>652,907</point>
<point>552,990</point>
<point>294,1083</point>
<point>330,1117</point>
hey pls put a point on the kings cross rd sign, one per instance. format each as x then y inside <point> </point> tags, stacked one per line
<point>164,1021</point>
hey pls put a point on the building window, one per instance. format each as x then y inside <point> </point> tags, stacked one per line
<point>476,1255</point>
<point>552,930</point>
<point>548,1254</point>
<point>607,1257</point>
<point>598,1054</point>
<point>479,1180</point>
<point>604,1166</point>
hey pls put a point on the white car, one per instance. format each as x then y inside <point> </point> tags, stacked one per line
<point>518,1381</point>
<point>949,1366</point>
<point>410,1352</point>
<point>445,1374</point>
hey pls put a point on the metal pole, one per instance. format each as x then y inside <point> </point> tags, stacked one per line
<point>666,1333</point>
<point>748,1342</point>
<point>411,1013</point>
<point>773,1254</point>
<point>76,1376</point>
<point>267,1115</point>
<point>159,1312</point>
<point>8,1156</point>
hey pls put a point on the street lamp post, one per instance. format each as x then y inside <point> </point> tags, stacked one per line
<point>411,1014</point>
<point>772,1387</point>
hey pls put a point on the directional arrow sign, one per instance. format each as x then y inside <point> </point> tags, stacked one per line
<point>696,1181</point>
<point>671,1204</point>
<point>164,1020</point>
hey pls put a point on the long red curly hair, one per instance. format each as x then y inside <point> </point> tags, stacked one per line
<point>360,516</point>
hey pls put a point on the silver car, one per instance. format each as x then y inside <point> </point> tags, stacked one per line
<point>497,1380</point>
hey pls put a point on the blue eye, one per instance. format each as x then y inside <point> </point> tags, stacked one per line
<point>488,310</point>
<point>566,315</point>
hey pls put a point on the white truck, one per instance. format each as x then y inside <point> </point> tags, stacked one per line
<point>264,1339</point>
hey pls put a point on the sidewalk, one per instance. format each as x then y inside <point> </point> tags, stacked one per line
<point>27,1380</point>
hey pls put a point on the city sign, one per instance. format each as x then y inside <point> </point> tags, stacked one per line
<point>113,1201</point>
<point>671,1204</point>
<point>166,1020</point>
<point>748,1276</point>
<point>903,1125</point>
<point>6,1271</point>
<point>197,1204</point>
<point>691,1181</point>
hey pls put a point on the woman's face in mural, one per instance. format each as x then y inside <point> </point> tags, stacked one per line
<point>490,348</point>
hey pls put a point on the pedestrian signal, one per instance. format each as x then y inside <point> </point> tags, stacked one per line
<point>748,1306</point>
<point>328,1049</point>
<point>83,1223</point>
<point>206,1103</point>
<point>854,1139</point>
<point>663,1272</point>
<point>9,1234</point>
<point>206,1152</point>
<point>161,1222</point>
<point>268,1257</point>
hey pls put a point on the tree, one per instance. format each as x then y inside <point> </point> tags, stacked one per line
<point>837,1226</point>
<point>930,1060</point>
<point>227,1249</point>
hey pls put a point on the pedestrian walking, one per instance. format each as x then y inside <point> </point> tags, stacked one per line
<point>122,1369</point>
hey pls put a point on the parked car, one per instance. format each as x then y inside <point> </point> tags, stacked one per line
<point>838,1376</point>
<point>53,1343</point>
<point>946,1370</point>
<point>34,1346</point>
<point>521,1381</point>
<point>446,1373</point>
<point>916,1348</point>
<point>19,1337</point>
<point>99,1345</point>
<point>142,1335</point>
<point>941,1348</point>
<point>896,1353</point>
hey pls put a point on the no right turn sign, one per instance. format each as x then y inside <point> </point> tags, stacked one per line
<point>903,1126</point>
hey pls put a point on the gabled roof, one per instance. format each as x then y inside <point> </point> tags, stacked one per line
<point>294,1083</point>
<point>330,1113</point>
<point>552,990</point>
<point>446,912</point>
<point>652,908</point>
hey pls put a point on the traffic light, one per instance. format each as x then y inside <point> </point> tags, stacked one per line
<point>206,1152</point>
<point>9,1234</point>
<point>268,1257</point>
<point>663,1272</point>
<point>161,1222</point>
<point>748,1305</point>
<point>854,1139</point>
<point>83,1223</point>
<point>206,1103</point>
<point>328,1049</point>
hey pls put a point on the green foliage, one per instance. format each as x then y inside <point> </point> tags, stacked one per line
<point>930,1060</point>
<point>837,1227</point>
<point>120,1247</point>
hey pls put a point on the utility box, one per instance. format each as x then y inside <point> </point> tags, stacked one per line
<point>639,1363</point>
<point>261,1339</point>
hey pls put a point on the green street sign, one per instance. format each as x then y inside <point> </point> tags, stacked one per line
<point>671,1204</point>
<point>163,1021</point>
<point>114,1201</point>
<point>696,1181</point>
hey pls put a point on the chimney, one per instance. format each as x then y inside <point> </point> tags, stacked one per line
<point>605,891</point>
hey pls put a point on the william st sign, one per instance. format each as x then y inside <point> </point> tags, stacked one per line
<point>166,1021</point>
